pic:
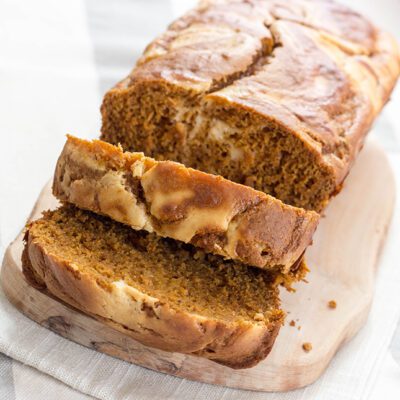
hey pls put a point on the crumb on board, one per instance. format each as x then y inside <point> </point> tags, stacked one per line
<point>299,327</point>
<point>292,323</point>
<point>307,347</point>
<point>332,304</point>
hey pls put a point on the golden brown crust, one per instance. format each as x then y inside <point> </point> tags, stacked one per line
<point>208,211</point>
<point>316,69</point>
<point>145,318</point>
<point>335,93</point>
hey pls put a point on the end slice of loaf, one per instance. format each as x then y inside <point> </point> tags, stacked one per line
<point>167,198</point>
<point>163,293</point>
<point>276,94</point>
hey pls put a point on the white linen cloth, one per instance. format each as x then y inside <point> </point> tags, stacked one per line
<point>56,60</point>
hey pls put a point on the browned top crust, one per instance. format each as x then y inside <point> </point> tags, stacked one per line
<point>316,68</point>
<point>208,211</point>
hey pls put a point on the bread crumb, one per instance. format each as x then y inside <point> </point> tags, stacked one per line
<point>307,347</point>
<point>332,304</point>
<point>299,327</point>
<point>259,317</point>
<point>292,323</point>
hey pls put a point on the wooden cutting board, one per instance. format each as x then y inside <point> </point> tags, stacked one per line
<point>343,261</point>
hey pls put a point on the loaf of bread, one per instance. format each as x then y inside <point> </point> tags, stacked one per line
<point>275,94</point>
<point>163,293</point>
<point>165,197</point>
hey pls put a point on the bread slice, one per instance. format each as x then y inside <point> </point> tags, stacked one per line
<point>173,201</point>
<point>163,293</point>
<point>274,94</point>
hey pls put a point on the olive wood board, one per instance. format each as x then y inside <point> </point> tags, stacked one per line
<point>342,260</point>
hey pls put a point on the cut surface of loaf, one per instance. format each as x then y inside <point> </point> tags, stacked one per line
<point>162,292</point>
<point>278,95</point>
<point>173,201</point>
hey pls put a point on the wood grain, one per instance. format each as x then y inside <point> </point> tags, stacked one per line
<point>343,261</point>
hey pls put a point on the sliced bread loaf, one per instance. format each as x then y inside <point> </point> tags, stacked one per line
<point>274,94</point>
<point>163,293</point>
<point>173,201</point>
